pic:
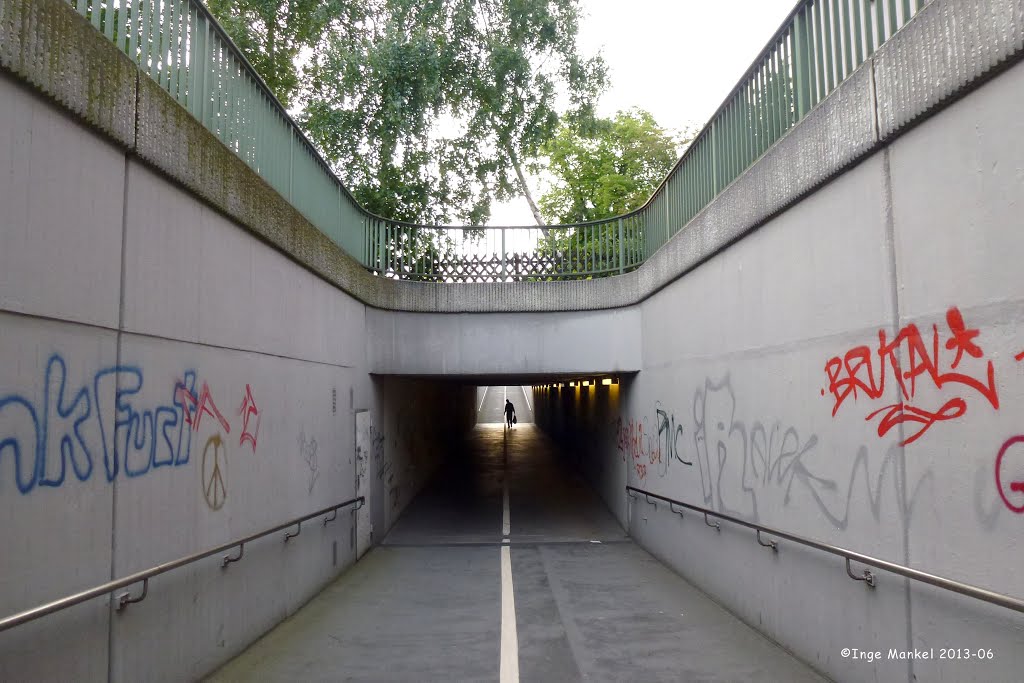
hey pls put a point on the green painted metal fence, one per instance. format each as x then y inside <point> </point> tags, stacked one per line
<point>180,46</point>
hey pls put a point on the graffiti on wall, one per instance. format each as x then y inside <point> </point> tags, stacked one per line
<point>69,428</point>
<point>307,449</point>
<point>747,467</point>
<point>932,358</point>
<point>215,489</point>
<point>1010,473</point>
<point>741,465</point>
<point>636,446</point>
<point>669,435</point>
<point>247,411</point>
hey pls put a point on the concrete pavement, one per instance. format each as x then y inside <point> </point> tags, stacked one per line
<point>426,605</point>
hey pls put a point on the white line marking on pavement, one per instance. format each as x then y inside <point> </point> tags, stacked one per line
<point>506,526</point>
<point>482,400</point>
<point>525,398</point>
<point>509,667</point>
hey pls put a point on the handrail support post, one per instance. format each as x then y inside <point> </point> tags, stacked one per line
<point>228,559</point>
<point>774,545</point>
<point>868,576</point>
<point>126,599</point>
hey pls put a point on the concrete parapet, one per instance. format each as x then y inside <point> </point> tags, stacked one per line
<point>47,44</point>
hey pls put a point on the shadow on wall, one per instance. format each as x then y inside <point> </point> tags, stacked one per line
<point>414,424</point>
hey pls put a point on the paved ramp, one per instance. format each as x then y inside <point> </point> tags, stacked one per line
<point>576,599</point>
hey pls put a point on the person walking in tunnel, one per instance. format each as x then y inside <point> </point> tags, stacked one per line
<point>510,413</point>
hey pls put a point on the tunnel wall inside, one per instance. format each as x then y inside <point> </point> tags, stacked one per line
<point>169,383</point>
<point>420,421</point>
<point>851,372</point>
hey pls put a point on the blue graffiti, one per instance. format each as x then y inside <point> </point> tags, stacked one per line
<point>72,428</point>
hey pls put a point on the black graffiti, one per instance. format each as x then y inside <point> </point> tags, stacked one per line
<point>669,434</point>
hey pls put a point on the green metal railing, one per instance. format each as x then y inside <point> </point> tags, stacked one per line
<point>181,47</point>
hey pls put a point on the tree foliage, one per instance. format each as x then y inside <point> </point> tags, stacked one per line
<point>428,109</point>
<point>272,33</point>
<point>601,169</point>
<point>606,169</point>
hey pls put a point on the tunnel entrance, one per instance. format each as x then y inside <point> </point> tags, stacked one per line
<point>491,404</point>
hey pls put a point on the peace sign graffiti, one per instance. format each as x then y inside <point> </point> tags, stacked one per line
<point>215,462</point>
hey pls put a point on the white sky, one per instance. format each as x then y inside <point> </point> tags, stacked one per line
<point>677,59</point>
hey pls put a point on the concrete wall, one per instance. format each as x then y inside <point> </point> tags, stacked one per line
<point>418,421</point>
<point>770,391</point>
<point>169,383</point>
<point>583,421</point>
<point>473,344</point>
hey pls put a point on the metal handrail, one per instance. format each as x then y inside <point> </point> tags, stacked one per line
<point>144,576</point>
<point>868,577</point>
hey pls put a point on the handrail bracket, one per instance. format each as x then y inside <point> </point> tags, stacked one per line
<point>333,517</point>
<point>125,599</point>
<point>713,525</point>
<point>228,559</point>
<point>774,545</point>
<point>868,576</point>
<point>290,535</point>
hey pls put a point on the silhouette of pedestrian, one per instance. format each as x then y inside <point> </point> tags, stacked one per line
<point>510,413</point>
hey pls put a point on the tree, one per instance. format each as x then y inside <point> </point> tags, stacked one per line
<point>606,170</point>
<point>272,33</point>
<point>602,170</point>
<point>430,109</point>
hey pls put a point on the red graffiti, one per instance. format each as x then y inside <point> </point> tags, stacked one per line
<point>249,410</point>
<point>1019,357</point>
<point>858,371</point>
<point>204,404</point>
<point>633,443</point>
<point>1016,467</point>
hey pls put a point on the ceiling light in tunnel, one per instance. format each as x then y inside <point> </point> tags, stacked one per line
<point>586,383</point>
<point>606,381</point>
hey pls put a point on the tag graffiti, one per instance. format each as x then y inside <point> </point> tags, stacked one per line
<point>953,359</point>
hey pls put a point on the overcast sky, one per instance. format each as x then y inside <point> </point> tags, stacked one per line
<point>677,59</point>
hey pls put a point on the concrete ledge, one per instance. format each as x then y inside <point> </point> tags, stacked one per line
<point>950,47</point>
<point>52,47</point>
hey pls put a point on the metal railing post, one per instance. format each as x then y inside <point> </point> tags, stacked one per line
<point>622,250</point>
<point>291,167</point>
<point>801,76</point>
<point>504,270</point>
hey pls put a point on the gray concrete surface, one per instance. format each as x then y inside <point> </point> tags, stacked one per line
<point>590,605</point>
<point>576,342</point>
